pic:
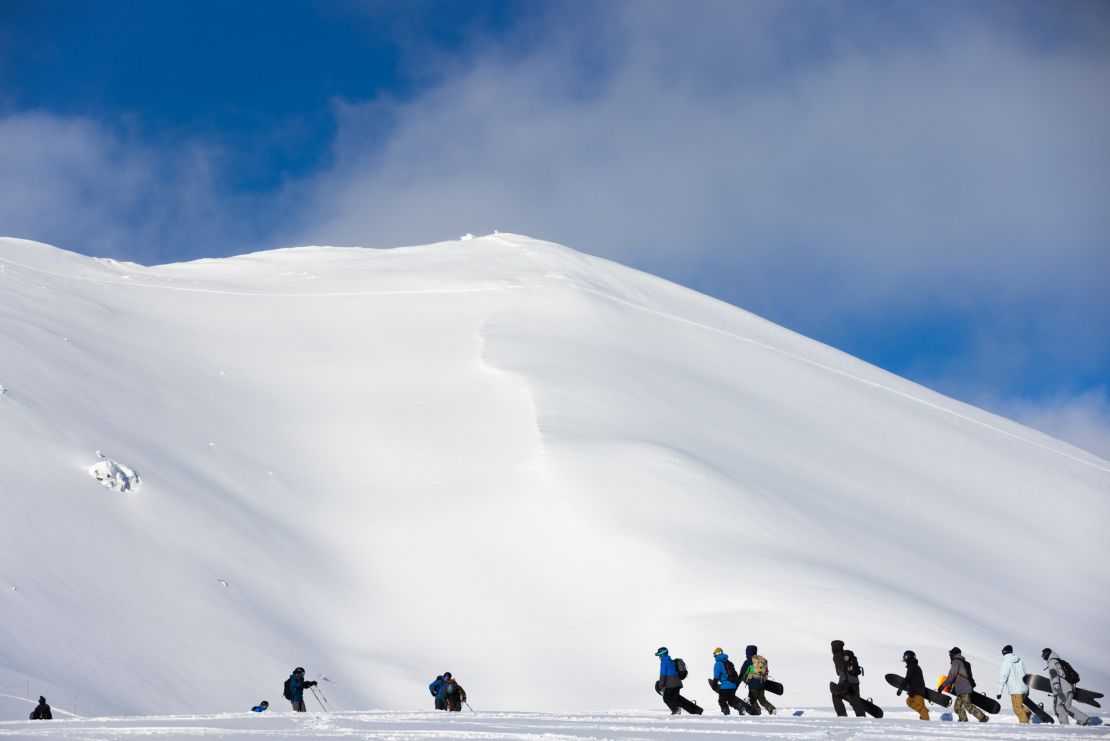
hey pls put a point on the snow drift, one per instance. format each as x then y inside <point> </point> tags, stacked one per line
<point>502,458</point>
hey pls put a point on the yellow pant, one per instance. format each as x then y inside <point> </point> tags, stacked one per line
<point>917,703</point>
<point>1020,710</point>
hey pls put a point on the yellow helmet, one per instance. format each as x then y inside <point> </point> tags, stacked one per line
<point>718,650</point>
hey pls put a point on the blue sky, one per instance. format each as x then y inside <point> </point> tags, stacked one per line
<point>924,185</point>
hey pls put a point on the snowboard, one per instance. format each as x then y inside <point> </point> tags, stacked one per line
<point>770,685</point>
<point>1037,710</point>
<point>690,707</point>
<point>984,703</point>
<point>744,706</point>
<point>939,698</point>
<point>978,699</point>
<point>1087,697</point>
<point>868,707</point>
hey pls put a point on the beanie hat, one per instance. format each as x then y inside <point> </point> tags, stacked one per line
<point>838,645</point>
<point>1046,653</point>
<point>751,651</point>
<point>1007,649</point>
<point>955,650</point>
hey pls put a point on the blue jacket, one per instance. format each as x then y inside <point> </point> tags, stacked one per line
<point>436,687</point>
<point>721,674</point>
<point>667,667</point>
<point>258,709</point>
<point>297,685</point>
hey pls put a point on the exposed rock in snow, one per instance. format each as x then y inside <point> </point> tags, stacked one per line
<point>115,476</point>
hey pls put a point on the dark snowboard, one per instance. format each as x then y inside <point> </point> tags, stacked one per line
<point>744,706</point>
<point>1087,697</point>
<point>770,685</point>
<point>987,704</point>
<point>939,698</point>
<point>1037,710</point>
<point>868,707</point>
<point>690,707</point>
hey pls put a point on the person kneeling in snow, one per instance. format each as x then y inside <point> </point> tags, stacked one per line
<point>261,707</point>
<point>42,710</point>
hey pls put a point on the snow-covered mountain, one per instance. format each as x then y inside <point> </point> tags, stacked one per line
<point>502,458</point>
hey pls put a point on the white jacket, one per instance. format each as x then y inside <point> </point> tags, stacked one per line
<point>1011,677</point>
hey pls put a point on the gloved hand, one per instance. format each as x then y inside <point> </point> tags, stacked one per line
<point>310,683</point>
<point>998,697</point>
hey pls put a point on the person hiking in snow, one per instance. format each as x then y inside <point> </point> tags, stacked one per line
<point>261,707</point>
<point>297,685</point>
<point>42,710</point>
<point>848,672</point>
<point>754,673</point>
<point>960,683</point>
<point>1011,679</point>
<point>725,681</point>
<point>914,686</point>
<point>670,683</point>
<point>1062,690</point>
<point>436,688</point>
<point>453,692</point>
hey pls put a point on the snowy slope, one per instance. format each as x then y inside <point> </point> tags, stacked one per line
<point>502,458</point>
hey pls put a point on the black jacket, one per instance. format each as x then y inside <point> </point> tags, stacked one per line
<point>41,711</point>
<point>914,683</point>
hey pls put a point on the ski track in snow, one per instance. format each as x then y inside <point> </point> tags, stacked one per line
<point>637,725</point>
<point>601,294</point>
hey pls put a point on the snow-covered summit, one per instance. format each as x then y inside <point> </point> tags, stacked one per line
<point>502,458</point>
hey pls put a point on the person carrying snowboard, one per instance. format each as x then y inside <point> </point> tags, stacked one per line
<point>670,682</point>
<point>754,672</point>
<point>42,710</point>
<point>960,683</point>
<point>1063,687</point>
<point>294,689</point>
<point>726,680</point>
<point>848,672</point>
<point>1011,679</point>
<point>436,688</point>
<point>453,693</point>
<point>914,686</point>
<point>261,707</point>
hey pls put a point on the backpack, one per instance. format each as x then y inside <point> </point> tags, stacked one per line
<point>680,668</point>
<point>1071,676</point>
<point>851,666</point>
<point>759,666</point>
<point>287,691</point>
<point>970,678</point>
<point>730,672</point>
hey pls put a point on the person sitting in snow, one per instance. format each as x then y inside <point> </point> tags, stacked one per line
<point>42,710</point>
<point>261,707</point>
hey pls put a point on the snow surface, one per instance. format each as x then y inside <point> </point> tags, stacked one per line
<point>641,725</point>
<point>502,458</point>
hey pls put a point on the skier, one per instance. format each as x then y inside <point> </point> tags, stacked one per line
<point>453,693</point>
<point>848,672</point>
<point>42,710</point>
<point>1011,678</point>
<point>671,683</point>
<point>261,707</point>
<point>961,683</point>
<point>436,688</point>
<point>754,672</point>
<point>914,686</point>
<point>1062,689</point>
<point>725,677</point>
<point>297,685</point>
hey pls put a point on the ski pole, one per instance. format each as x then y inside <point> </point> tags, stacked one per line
<point>317,687</point>
<point>468,707</point>
<point>318,699</point>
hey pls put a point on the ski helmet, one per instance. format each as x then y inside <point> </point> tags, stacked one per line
<point>299,670</point>
<point>1007,649</point>
<point>908,655</point>
<point>718,650</point>
<point>955,650</point>
<point>662,651</point>
<point>447,675</point>
<point>1046,653</point>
